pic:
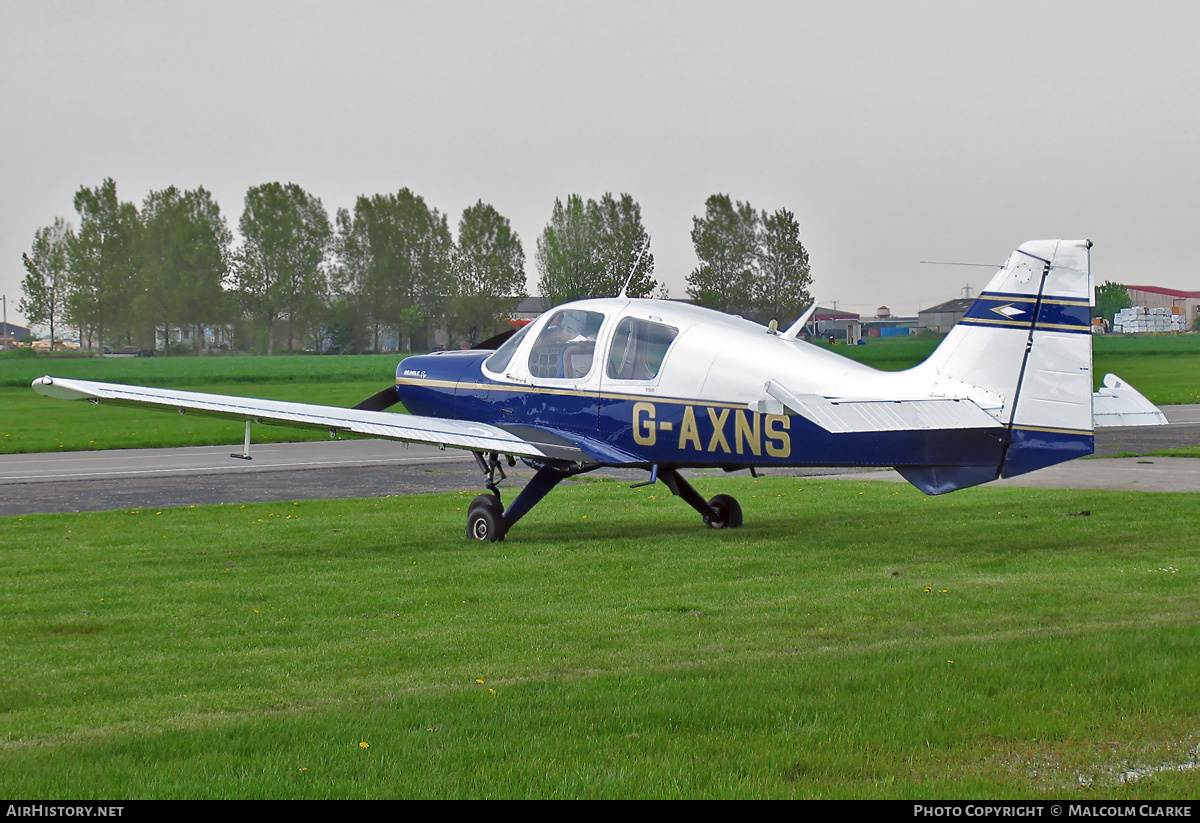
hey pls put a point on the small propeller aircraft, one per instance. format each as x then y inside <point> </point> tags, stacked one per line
<point>661,386</point>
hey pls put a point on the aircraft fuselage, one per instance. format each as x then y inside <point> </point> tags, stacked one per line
<point>705,404</point>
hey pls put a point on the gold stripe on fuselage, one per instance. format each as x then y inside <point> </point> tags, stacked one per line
<point>1024,324</point>
<point>1078,302</point>
<point>521,388</point>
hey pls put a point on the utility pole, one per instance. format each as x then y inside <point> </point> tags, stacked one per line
<point>4,300</point>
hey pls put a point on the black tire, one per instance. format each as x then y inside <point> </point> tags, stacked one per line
<point>485,519</point>
<point>728,513</point>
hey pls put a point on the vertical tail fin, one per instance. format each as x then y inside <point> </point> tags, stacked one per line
<point>1024,352</point>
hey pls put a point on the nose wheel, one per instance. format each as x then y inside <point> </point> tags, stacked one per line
<point>485,519</point>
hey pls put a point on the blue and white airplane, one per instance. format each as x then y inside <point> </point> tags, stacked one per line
<point>661,386</point>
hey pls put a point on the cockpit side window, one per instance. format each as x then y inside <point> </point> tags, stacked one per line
<point>638,349</point>
<point>567,345</point>
<point>500,359</point>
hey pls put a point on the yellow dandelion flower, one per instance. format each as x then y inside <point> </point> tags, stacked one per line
<point>364,745</point>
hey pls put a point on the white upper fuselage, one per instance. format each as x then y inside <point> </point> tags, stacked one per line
<point>720,358</point>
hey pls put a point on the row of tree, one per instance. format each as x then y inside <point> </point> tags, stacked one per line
<point>389,269</point>
<point>130,276</point>
<point>751,263</point>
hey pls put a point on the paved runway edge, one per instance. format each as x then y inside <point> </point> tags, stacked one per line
<point>207,475</point>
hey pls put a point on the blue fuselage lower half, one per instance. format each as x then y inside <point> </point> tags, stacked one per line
<point>643,430</point>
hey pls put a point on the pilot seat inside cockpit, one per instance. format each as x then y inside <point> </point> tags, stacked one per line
<point>567,345</point>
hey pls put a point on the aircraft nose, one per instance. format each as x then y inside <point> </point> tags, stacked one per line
<point>427,383</point>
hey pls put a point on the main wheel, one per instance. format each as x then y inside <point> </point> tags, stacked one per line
<point>485,519</point>
<point>728,514</point>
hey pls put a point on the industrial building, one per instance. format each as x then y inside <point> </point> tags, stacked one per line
<point>942,317</point>
<point>1185,303</point>
<point>11,335</point>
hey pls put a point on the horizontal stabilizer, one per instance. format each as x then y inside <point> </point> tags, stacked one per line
<point>844,416</point>
<point>1120,404</point>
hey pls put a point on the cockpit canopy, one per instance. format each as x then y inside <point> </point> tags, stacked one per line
<point>568,340</point>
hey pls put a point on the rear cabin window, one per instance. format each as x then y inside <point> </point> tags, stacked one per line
<point>566,346</point>
<point>638,349</point>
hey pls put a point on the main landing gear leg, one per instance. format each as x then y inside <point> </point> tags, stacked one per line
<point>722,512</point>
<point>542,484</point>
<point>485,517</point>
<point>488,520</point>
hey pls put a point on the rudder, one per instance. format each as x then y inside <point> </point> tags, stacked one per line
<point>1023,352</point>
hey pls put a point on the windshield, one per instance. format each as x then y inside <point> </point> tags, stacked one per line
<point>499,361</point>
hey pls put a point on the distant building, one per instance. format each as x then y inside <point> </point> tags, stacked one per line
<point>942,317</point>
<point>1185,303</point>
<point>890,326</point>
<point>825,322</point>
<point>11,335</point>
<point>529,309</point>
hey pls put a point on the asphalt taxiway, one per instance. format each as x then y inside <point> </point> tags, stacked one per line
<point>127,478</point>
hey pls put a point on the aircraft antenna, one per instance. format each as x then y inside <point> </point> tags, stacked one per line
<point>945,263</point>
<point>633,270</point>
<point>794,330</point>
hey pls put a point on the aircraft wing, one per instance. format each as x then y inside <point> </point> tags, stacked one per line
<point>840,416</point>
<point>436,431</point>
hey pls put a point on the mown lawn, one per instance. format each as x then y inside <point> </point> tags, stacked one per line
<point>852,640</point>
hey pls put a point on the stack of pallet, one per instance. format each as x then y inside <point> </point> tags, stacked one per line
<point>1141,320</point>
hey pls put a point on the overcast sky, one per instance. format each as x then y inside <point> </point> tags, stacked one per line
<point>895,131</point>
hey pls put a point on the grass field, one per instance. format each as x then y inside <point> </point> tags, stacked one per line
<point>1166,369</point>
<point>32,423</point>
<point>852,640</point>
